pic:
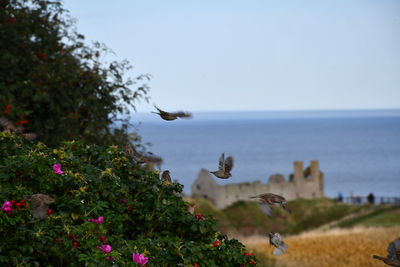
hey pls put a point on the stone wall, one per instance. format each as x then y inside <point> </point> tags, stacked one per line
<point>307,183</point>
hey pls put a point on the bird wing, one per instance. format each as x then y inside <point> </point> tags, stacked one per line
<point>221,163</point>
<point>387,261</point>
<point>161,111</point>
<point>265,208</point>
<point>281,249</point>
<point>228,164</point>
<point>182,114</point>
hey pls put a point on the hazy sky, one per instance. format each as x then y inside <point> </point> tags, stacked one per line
<point>254,55</point>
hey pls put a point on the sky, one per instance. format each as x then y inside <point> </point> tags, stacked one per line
<point>254,55</point>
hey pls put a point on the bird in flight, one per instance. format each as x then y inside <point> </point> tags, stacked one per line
<point>276,240</point>
<point>168,116</point>
<point>224,167</point>
<point>267,202</point>
<point>393,256</point>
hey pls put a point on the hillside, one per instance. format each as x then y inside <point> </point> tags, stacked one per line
<point>244,218</point>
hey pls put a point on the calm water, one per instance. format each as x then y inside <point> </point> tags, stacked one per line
<point>357,152</point>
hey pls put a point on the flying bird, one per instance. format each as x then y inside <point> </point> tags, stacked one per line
<point>171,116</point>
<point>224,167</point>
<point>39,204</point>
<point>166,177</point>
<point>267,202</point>
<point>393,257</point>
<point>9,126</point>
<point>276,240</point>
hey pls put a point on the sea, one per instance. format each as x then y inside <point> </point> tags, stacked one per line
<point>358,151</point>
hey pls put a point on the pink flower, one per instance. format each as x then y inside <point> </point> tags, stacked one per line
<point>98,221</point>
<point>106,248</point>
<point>6,207</point>
<point>57,168</point>
<point>199,217</point>
<point>140,259</point>
<point>110,258</point>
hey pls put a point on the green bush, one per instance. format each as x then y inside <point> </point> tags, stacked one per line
<point>56,85</point>
<point>141,213</point>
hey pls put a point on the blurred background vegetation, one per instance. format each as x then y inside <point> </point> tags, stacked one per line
<point>58,86</point>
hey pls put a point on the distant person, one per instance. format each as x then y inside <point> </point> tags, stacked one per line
<point>371,198</point>
<point>358,199</point>
<point>340,197</point>
<point>351,197</point>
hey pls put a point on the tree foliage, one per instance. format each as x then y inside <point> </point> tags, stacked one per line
<point>54,84</point>
<point>141,213</point>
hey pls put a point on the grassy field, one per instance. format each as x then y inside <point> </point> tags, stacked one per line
<point>319,232</point>
<point>244,218</point>
<point>337,247</point>
<point>386,216</point>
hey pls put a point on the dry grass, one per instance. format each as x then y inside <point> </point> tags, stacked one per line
<point>337,247</point>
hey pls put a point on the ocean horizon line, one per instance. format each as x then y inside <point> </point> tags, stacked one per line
<point>278,114</point>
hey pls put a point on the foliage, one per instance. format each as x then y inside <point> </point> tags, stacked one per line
<point>54,84</point>
<point>141,214</point>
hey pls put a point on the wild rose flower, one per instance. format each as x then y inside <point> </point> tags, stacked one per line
<point>6,207</point>
<point>199,217</point>
<point>98,221</point>
<point>140,259</point>
<point>106,248</point>
<point>57,168</point>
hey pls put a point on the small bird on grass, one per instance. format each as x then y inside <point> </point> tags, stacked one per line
<point>276,240</point>
<point>168,116</point>
<point>165,176</point>
<point>9,126</point>
<point>267,202</point>
<point>39,204</point>
<point>224,167</point>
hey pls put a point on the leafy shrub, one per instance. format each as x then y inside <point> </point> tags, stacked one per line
<point>56,85</point>
<point>141,214</point>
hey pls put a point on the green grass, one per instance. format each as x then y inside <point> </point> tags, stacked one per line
<point>384,216</point>
<point>245,218</point>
